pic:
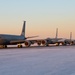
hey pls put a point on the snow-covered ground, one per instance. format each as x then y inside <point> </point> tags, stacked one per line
<point>38,61</point>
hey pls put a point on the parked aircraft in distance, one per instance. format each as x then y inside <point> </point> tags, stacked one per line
<point>58,41</point>
<point>47,41</point>
<point>6,39</point>
<point>68,41</point>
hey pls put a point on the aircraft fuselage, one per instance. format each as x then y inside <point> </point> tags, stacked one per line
<point>7,39</point>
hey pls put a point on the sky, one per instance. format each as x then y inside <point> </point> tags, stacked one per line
<point>42,17</point>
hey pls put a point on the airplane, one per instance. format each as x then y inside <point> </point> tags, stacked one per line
<point>47,41</point>
<point>58,41</point>
<point>68,41</point>
<point>7,39</point>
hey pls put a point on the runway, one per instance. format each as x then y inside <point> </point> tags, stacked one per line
<point>54,60</point>
<point>34,47</point>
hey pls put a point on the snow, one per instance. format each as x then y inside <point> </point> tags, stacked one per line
<point>38,61</point>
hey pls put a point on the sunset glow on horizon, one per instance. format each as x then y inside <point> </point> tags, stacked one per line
<point>42,17</point>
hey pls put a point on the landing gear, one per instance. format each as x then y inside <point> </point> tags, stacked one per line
<point>39,43</point>
<point>47,45</point>
<point>3,46</point>
<point>65,44</point>
<point>19,46</point>
<point>57,44</point>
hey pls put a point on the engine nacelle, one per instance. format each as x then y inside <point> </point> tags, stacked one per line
<point>39,42</point>
<point>72,43</point>
<point>27,43</point>
<point>44,42</point>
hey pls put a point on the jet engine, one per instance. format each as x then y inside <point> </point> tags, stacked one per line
<point>39,43</point>
<point>72,43</point>
<point>44,42</point>
<point>27,43</point>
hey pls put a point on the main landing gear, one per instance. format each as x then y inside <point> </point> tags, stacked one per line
<point>19,46</point>
<point>3,46</point>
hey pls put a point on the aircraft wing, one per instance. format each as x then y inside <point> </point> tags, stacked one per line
<point>34,41</point>
<point>56,39</point>
<point>31,37</point>
<point>26,41</point>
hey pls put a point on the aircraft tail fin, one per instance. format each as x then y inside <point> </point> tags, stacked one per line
<point>70,36</point>
<point>23,29</point>
<point>56,33</point>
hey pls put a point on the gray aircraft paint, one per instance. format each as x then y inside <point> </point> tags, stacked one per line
<point>7,39</point>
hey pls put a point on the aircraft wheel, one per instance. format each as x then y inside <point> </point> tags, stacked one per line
<point>39,43</point>
<point>57,44</point>
<point>64,44</point>
<point>4,46</point>
<point>19,46</point>
<point>47,45</point>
